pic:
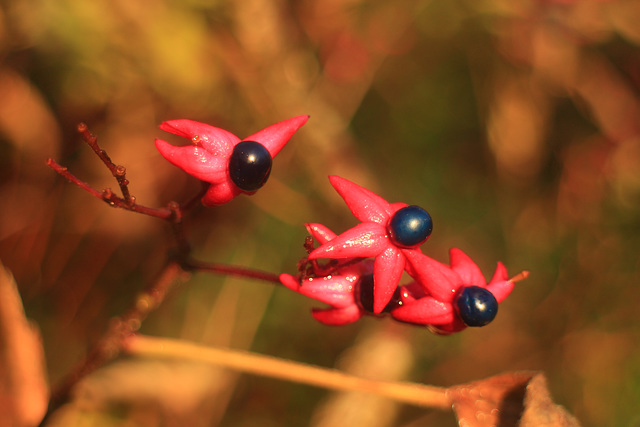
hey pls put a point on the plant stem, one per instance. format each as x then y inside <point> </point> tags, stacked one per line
<point>118,172</point>
<point>110,344</point>
<point>109,197</point>
<point>268,366</point>
<point>231,270</point>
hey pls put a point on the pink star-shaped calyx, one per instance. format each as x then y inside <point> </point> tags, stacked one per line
<point>216,157</point>
<point>388,231</point>
<point>337,289</point>
<point>455,296</point>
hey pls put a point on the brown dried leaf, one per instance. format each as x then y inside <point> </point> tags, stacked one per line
<point>23,386</point>
<point>539,409</point>
<point>518,399</point>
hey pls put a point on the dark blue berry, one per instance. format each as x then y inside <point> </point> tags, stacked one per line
<point>477,306</point>
<point>364,295</point>
<point>410,226</point>
<point>250,165</point>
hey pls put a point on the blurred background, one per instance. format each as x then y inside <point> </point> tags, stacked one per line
<point>516,124</point>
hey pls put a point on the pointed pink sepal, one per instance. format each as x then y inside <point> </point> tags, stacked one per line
<point>219,194</point>
<point>364,204</point>
<point>469,272</point>
<point>337,316</point>
<point>277,135</point>
<point>195,161</point>
<point>335,291</point>
<point>216,141</point>
<point>436,278</point>
<point>500,285</point>
<point>425,311</point>
<point>319,232</point>
<point>456,325</point>
<point>364,240</point>
<point>387,271</point>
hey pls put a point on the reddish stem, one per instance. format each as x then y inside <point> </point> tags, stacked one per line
<point>194,200</point>
<point>61,170</point>
<point>111,342</point>
<point>119,172</point>
<point>109,197</point>
<point>231,270</point>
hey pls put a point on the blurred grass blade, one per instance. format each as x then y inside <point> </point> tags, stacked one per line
<point>24,391</point>
<point>287,370</point>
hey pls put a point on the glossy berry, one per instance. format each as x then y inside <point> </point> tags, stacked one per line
<point>410,226</point>
<point>249,165</point>
<point>364,296</point>
<point>476,306</point>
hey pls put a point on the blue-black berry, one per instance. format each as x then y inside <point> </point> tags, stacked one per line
<point>410,226</point>
<point>477,306</point>
<point>364,295</point>
<point>250,165</point>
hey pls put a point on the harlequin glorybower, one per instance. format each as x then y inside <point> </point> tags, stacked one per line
<point>355,273</point>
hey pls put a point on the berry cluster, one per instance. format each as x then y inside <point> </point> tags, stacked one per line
<point>445,298</point>
<point>366,262</point>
